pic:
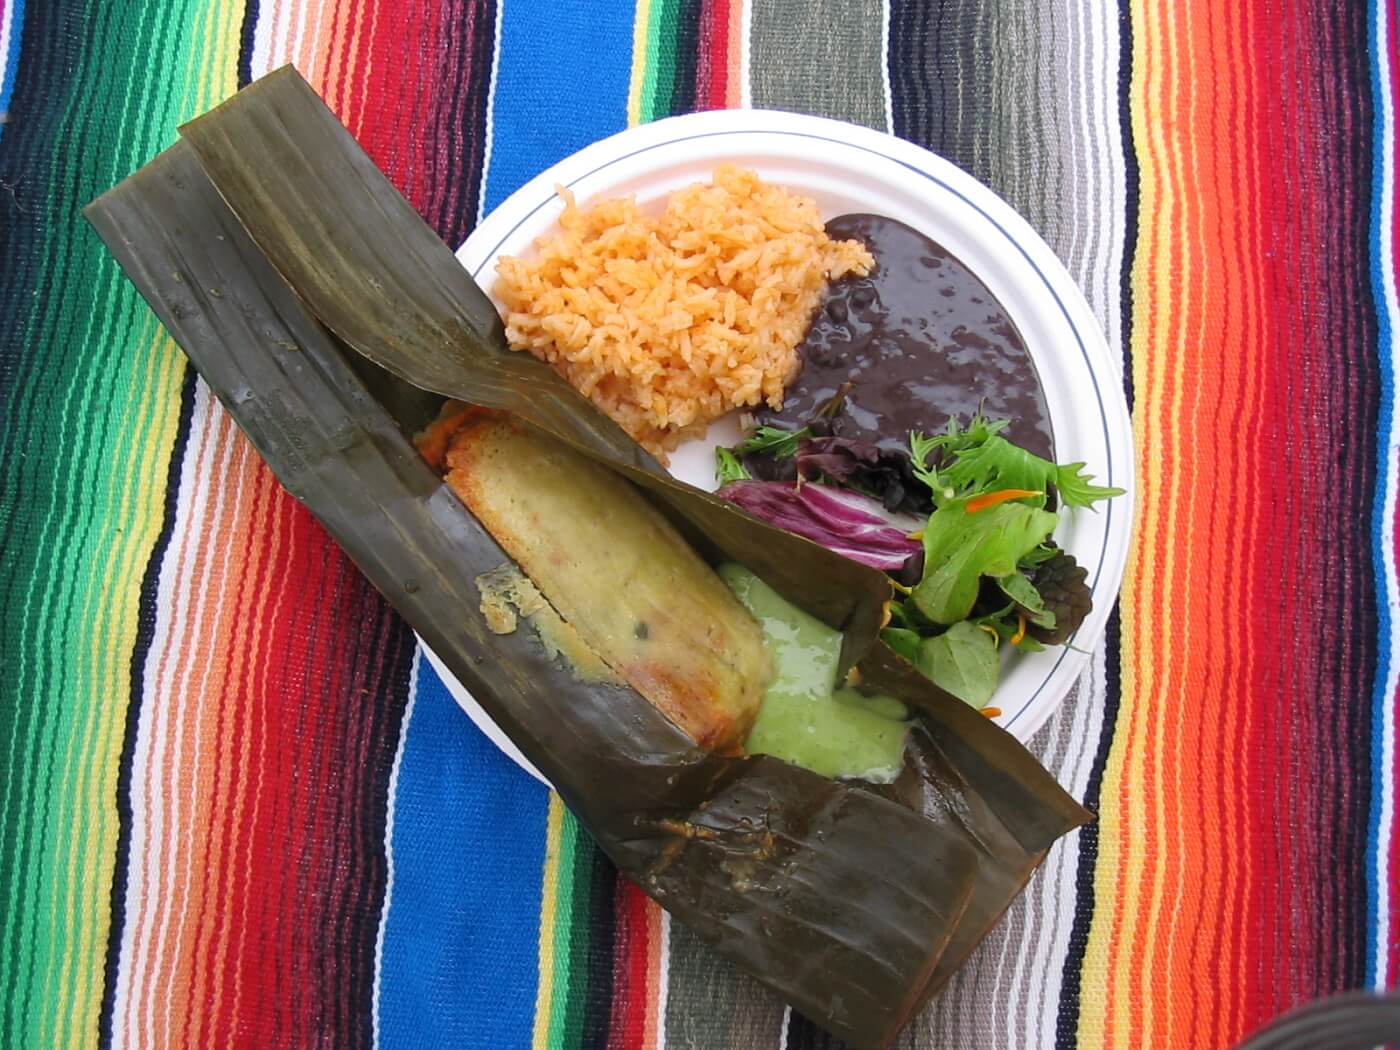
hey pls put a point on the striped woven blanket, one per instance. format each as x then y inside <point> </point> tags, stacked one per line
<point>239,809</point>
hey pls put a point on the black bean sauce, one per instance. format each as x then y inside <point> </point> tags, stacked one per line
<point>919,340</point>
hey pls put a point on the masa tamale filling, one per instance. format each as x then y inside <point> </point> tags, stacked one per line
<point>619,573</point>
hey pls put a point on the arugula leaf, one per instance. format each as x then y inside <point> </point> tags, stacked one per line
<point>920,448</point>
<point>772,441</point>
<point>943,447</point>
<point>956,437</point>
<point>1077,490</point>
<point>728,468</point>
<point>998,464</point>
<point>1021,591</point>
<point>903,641</point>
<point>979,430</point>
<point>977,459</point>
<point>960,548</point>
<point>963,660</point>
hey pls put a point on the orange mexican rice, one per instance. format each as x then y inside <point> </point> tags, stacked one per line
<point>668,322</point>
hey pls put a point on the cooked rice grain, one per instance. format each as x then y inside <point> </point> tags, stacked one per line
<point>668,323</point>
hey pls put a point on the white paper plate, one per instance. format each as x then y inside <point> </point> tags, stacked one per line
<point>848,169</point>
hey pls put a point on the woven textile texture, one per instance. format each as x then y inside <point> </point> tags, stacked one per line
<point>238,808</point>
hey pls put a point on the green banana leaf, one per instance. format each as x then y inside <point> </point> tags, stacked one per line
<point>322,213</point>
<point>852,902</point>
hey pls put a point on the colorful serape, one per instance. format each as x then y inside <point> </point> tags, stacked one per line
<point>238,809</point>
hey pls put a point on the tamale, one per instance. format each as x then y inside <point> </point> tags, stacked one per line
<point>831,873</point>
<point>845,900</point>
<point>425,320</point>
<point>618,572</point>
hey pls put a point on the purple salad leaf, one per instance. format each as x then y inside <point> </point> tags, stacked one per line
<point>1063,586</point>
<point>886,473</point>
<point>846,522</point>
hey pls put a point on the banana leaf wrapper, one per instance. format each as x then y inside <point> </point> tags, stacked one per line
<point>853,902</point>
<point>424,319</point>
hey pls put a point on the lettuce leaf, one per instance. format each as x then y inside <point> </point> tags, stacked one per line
<point>960,548</point>
<point>903,641</point>
<point>963,660</point>
<point>1028,600</point>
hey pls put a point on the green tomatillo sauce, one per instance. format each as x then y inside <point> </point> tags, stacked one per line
<point>805,719</point>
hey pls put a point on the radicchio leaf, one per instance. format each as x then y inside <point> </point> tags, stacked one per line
<point>840,520</point>
<point>884,472</point>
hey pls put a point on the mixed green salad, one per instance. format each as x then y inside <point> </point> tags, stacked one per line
<point>962,520</point>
